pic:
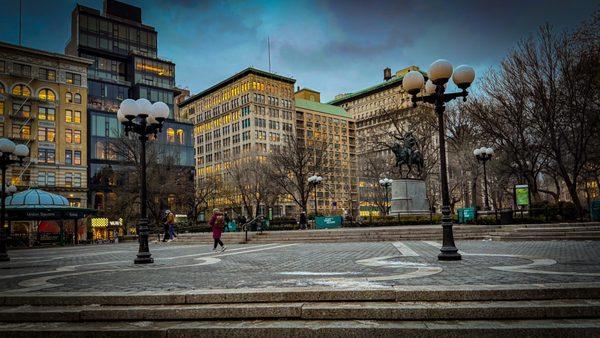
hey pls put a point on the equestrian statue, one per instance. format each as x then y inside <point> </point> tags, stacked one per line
<point>407,154</point>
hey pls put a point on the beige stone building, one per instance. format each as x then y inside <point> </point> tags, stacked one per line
<point>316,121</point>
<point>43,100</point>
<point>370,108</point>
<point>243,116</point>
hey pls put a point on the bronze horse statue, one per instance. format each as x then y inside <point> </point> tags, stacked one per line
<point>407,154</point>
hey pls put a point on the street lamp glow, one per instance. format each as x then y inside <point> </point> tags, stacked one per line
<point>412,82</point>
<point>440,71</point>
<point>129,108</point>
<point>160,110</point>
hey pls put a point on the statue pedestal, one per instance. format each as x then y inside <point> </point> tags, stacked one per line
<point>409,197</point>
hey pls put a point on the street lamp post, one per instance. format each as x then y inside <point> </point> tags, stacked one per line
<point>315,180</point>
<point>386,183</point>
<point>439,73</point>
<point>483,155</point>
<point>10,153</point>
<point>143,118</point>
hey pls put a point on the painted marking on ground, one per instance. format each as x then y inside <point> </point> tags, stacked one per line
<point>405,250</point>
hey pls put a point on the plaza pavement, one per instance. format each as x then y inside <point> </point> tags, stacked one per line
<point>368,265</point>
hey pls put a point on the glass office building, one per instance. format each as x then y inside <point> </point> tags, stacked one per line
<point>125,65</point>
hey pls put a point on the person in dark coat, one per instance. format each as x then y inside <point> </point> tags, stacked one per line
<point>303,220</point>
<point>217,223</point>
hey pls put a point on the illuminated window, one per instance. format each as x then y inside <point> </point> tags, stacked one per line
<point>170,135</point>
<point>1,88</point>
<point>45,113</point>
<point>180,136</point>
<point>69,135</point>
<point>77,117</point>
<point>21,90</point>
<point>1,107</point>
<point>74,79</point>
<point>68,116</point>
<point>100,150</point>
<point>77,136</point>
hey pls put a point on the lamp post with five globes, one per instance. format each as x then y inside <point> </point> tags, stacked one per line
<point>439,73</point>
<point>386,183</point>
<point>483,155</point>
<point>315,180</point>
<point>143,118</point>
<point>10,153</point>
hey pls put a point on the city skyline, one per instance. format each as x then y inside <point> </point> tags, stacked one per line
<point>346,49</point>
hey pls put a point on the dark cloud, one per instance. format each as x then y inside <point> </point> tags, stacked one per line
<point>332,46</point>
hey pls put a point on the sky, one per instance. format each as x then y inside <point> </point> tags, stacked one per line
<point>329,46</point>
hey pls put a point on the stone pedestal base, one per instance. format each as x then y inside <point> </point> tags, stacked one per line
<point>409,197</point>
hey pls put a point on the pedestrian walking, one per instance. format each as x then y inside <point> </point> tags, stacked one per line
<point>303,220</point>
<point>217,223</point>
<point>170,226</point>
<point>166,227</point>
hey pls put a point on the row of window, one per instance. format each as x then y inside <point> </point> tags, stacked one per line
<point>43,73</point>
<point>44,113</point>
<point>72,157</point>
<point>44,94</point>
<point>48,179</point>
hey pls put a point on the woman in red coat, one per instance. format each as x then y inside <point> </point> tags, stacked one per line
<point>217,223</point>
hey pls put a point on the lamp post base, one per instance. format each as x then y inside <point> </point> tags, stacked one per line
<point>449,254</point>
<point>143,258</point>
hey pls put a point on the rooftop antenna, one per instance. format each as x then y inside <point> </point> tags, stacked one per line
<point>20,20</point>
<point>269,47</point>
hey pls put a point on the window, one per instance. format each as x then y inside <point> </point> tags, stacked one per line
<point>180,136</point>
<point>21,90</point>
<point>68,116</point>
<point>21,110</point>
<point>47,74</point>
<point>77,180</point>
<point>46,155</point>
<point>50,179</point>
<point>77,136</point>
<point>69,97</point>
<point>77,117</point>
<point>68,156</point>
<point>41,179</point>
<point>77,99</point>
<point>20,69</point>
<point>2,67</point>
<point>170,135</point>
<point>73,78</point>
<point>46,134</point>
<point>245,123</point>
<point>69,135</point>
<point>21,131</point>
<point>1,129</point>
<point>45,113</point>
<point>1,88</point>
<point>77,157</point>
<point>68,180</point>
<point>245,136</point>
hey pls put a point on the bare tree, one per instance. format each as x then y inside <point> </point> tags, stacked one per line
<point>293,162</point>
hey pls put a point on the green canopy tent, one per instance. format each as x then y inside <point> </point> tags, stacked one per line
<point>39,205</point>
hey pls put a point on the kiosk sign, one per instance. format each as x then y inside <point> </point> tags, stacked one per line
<point>522,194</point>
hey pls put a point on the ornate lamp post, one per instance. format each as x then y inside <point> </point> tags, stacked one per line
<point>386,183</point>
<point>10,153</point>
<point>143,118</point>
<point>483,155</point>
<point>439,73</point>
<point>315,180</point>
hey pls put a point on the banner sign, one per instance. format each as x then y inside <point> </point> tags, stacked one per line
<point>522,194</point>
<point>328,222</point>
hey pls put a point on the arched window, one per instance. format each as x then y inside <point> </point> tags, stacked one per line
<point>170,135</point>
<point>21,90</point>
<point>77,98</point>
<point>1,88</point>
<point>69,97</point>
<point>180,136</point>
<point>46,95</point>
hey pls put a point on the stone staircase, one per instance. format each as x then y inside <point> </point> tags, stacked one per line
<point>448,311</point>
<point>525,232</point>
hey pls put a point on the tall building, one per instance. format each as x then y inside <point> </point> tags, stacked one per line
<point>43,105</point>
<point>371,109</point>
<point>316,121</point>
<point>243,116</point>
<point>125,65</point>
